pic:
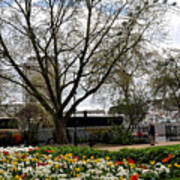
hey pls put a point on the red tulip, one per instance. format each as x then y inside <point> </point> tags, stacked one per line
<point>23,176</point>
<point>165,160</point>
<point>130,161</point>
<point>118,163</point>
<point>30,149</point>
<point>76,157</point>
<point>23,156</point>
<point>134,177</point>
<point>5,153</point>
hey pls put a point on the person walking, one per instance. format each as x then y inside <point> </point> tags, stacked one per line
<point>151,133</point>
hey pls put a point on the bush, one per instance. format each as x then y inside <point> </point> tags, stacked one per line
<point>118,135</point>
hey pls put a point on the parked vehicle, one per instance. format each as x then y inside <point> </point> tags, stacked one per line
<point>10,132</point>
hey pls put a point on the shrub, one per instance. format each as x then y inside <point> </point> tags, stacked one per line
<point>118,135</point>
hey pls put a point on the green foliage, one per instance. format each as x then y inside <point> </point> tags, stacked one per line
<point>115,135</point>
<point>31,116</point>
<point>133,107</point>
<point>165,80</point>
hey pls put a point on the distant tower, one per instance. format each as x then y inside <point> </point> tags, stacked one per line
<point>30,68</point>
<point>32,71</point>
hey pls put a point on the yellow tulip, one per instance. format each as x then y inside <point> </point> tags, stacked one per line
<point>152,162</point>
<point>57,166</point>
<point>177,165</point>
<point>49,162</point>
<point>77,169</point>
<point>92,157</point>
<point>17,177</point>
<point>96,160</point>
<point>169,165</point>
<point>2,172</point>
<point>55,159</point>
<point>131,165</point>
<point>14,162</point>
<point>77,175</point>
<point>14,168</point>
<point>107,158</point>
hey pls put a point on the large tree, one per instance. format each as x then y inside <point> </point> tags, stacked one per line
<point>80,40</point>
<point>1,87</point>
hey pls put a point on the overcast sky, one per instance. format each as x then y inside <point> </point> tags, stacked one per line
<point>176,31</point>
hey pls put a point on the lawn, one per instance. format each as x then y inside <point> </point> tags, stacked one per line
<point>170,147</point>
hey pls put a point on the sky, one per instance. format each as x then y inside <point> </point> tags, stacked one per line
<point>176,31</point>
<point>174,24</point>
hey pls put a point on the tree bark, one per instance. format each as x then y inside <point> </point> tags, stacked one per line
<point>60,130</point>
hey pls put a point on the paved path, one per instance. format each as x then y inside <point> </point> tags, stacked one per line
<point>139,146</point>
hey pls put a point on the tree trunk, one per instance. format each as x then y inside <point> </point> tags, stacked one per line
<point>60,130</point>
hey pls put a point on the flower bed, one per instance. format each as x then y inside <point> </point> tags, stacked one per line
<point>32,163</point>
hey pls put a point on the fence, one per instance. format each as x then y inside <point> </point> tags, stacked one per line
<point>81,128</point>
<point>172,132</point>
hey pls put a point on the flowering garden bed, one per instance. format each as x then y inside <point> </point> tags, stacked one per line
<point>88,164</point>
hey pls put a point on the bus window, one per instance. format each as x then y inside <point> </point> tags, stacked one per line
<point>3,124</point>
<point>8,124</point>
<point>12,124</point>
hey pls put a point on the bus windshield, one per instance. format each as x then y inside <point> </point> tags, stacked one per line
<point>8,124</point>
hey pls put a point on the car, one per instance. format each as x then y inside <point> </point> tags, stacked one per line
<point>10,132</point>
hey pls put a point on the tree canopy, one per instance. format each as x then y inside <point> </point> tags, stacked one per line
<point>165,80</point>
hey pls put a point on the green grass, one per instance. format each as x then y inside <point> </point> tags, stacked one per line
<point>170,147</point>
<point>155,148</point>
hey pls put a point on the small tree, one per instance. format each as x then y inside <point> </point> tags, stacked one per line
<point>129,85</point>
<point>31,116</point>
<point>134,110</point>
